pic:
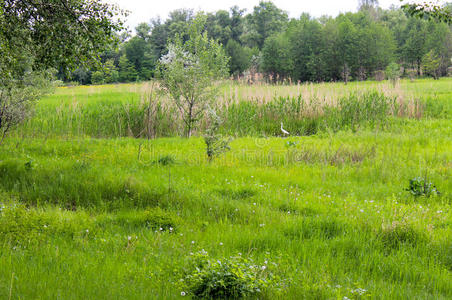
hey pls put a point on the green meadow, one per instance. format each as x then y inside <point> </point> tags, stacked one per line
<point>102,198</point>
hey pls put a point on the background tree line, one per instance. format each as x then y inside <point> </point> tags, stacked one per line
<point>351,46</point>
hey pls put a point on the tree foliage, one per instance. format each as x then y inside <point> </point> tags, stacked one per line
<point>55,33</point>
<point>216,144</point>
<point>36,35</point>
<point>277,60</point>
<point>189,70</point>
<point>429,10</point>
<point>431,64</point>
<point>393,73</point>
<point>351,46</point>
<point>266,20</point>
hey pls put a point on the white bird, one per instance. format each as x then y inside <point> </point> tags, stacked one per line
<point>283,130</point>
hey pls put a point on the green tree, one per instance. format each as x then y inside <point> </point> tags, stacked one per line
<point>431,64</point>
<point>415,45</point>
<point>218,26</point>
<point>159,37</point>
<point>396,21</point>
<point>81,75</point>
<point>137,52</point>
<point>36,35</point>
<point>439,39</point>
<point>143,31</point>
<point>189,70</point>
<point>276,58</point>
<point>237,21</point>
<point>110,72</point>
<point>127,72</point>
<point>239,57</point>
<point>98,77</point>
<point>161,32</point>
<point>59,34</point>
<point>393,73</point>
<point>307,45</point>
<point>347,45</point>
<point>266,20</point>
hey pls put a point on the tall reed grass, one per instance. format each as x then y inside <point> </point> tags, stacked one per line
<point>139,111</point>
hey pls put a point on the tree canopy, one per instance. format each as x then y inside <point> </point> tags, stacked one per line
<point>38,35</point>
<point>54,33</point>
<point>189,70</point>
<point>264,39</point>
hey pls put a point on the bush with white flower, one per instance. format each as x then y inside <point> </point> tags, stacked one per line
<point>228,278</point>
<point>189,71</point>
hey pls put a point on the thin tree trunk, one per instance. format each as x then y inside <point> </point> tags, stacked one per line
<point>190,120</point>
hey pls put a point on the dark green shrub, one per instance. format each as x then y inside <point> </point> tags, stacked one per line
<point>422,187</point>
<point>229,278</point>
<point>165,160</point>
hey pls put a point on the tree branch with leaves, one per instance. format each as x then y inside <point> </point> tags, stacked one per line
<point>430,10</point>
<point>37,36</point>
<point>189,72</point>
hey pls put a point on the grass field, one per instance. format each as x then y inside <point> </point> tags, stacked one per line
<point>90,211</point>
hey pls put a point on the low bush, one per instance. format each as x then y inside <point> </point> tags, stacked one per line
<point>422,187</point>
<point>228,278</point>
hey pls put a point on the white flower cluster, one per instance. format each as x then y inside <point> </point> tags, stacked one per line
<point>178,55</point>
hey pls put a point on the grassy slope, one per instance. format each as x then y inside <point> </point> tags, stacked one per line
<point>332,212</point>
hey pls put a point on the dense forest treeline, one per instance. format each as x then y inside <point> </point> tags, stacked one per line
<point>351,46</point>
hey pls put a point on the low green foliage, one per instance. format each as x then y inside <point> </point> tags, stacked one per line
<point>235,277</point>
<point>165,160</point>
<point>151,218</point>
<point>216,144</point>
<point>422,187</point>
<point>397,234</point>
<point>24,228</point>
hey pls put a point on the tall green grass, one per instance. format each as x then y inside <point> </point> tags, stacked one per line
<point>133,114</point>
<point>90,208</point>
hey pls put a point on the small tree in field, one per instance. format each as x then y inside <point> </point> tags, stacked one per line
<point>393,72</point>
<point>216,144</point>
<point>431,64</point>
<point>189,72</point>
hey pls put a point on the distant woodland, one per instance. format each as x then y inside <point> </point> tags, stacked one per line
<point>351,46</point>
